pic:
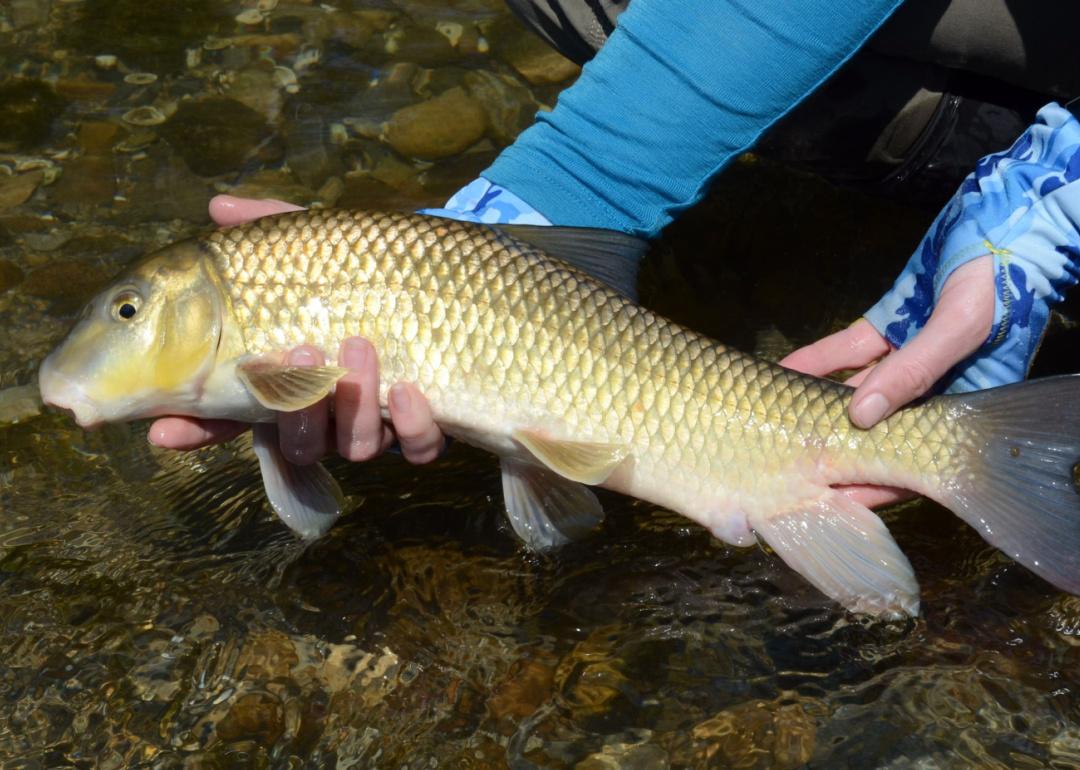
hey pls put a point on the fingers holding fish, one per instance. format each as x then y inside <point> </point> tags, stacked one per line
<point>891,377</point>
<point>360,431</point>
<point>958,326</point>
<point>874,496</point>
<point>304,434</point>
<point>185,433</point>
<point>420,438</point>
<point>852,348</point>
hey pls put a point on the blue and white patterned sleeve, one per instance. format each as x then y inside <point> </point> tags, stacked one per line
<point>488,203</point>
<point>1022,207</point>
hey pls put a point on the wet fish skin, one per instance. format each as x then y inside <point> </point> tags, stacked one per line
<point>569,382</point>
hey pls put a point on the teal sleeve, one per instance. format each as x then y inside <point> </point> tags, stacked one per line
<point>680,88</point>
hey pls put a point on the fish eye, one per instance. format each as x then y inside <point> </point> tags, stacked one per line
<point>125,305</point>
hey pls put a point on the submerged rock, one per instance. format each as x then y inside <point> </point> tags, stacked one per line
<point>257,88</point>
<point>87,182</point>
<point>626,756</point>
<point>425,46</point>
<point>527,686</point>
<point>392,91</point>
<point>255,716</point>
<point>27,111</point>
<point>19,403</point>
<point>363,191</point>
<point>509,106</point>
<point>215,135</point>
<point>280,185</point>
<point>149,36</point>
<point>28,13</point>
<point>96,137</point>
<point>67,284</point>
<point>10,275</point>
<point>534,59</point>
<point>16,190</point>
<point>158,186</point>
<point>780,733</point>
<point>309,151</point>
<point>437,128</point>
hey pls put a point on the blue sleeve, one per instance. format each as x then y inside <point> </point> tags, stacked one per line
<point>678,91</point>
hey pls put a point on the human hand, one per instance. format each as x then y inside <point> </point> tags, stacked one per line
<point>970,308</point>
<point>889,377</point>
<point>356,430</point>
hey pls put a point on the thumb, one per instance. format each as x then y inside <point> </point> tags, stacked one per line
<point>957,328</point>
<point>228,210</point>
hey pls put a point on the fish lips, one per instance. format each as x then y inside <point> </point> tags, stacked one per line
<point>64,393</point>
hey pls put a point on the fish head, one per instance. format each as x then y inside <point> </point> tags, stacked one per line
<point>144,346</point>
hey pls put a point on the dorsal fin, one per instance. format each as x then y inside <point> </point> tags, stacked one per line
<point>609,256</point>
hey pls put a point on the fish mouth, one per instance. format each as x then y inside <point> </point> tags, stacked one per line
<point>60,391</point>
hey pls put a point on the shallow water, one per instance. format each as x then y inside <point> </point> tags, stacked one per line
<point>154,613</point>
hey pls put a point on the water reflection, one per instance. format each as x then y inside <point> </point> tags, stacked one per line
<point>154,613</point>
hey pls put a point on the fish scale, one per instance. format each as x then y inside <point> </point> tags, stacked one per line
<point>522,352</point>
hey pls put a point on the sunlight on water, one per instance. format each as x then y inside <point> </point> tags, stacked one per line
<point>155,614</point>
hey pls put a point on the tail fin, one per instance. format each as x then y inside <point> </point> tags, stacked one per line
<point>1021,487</point>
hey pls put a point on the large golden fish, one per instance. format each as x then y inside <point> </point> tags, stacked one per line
<point>522,352</point>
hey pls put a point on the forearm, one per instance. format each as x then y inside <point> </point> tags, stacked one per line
<point>678,91</point>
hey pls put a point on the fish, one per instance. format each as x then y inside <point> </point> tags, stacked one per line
<point>528,342</point>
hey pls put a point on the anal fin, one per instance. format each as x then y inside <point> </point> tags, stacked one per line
<point>545,509</point>
<point>288,388</point>
<point>306,497</point>
<point>846,552</point>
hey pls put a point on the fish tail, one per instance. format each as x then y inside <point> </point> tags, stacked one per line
<point>1018,485</point>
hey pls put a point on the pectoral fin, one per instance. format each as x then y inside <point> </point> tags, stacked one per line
<point>589,463</point>
<point>846,551</point>
<point>545,509</point>
<point>288,388</point>
<point>305,497</point>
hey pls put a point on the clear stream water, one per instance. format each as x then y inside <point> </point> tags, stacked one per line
<point>154,614</point>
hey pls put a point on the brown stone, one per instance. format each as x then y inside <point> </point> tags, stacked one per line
<point>527,686</point>
<point>96,137</point>
<point>84,88</point>
<point>27,111</point>
<point>10,275</point>
<point>254,87</point>
<point>363,191</point>
<point>255,716</point>
<point>438,128</point>
<point>535,60</point>
<point>269,655</point>
<point>274,184</point>
<point>157,185</point>
<point>86,182</point>
<point>16,190</point>
<point>508,104</point>
<point>215,135</point>
<point>67,284</point>
<point>758,734</point>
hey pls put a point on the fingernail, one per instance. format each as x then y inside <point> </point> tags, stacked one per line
<point>301,357</point>
<point>354,353</point>
<point>399,397</point>
<point>869,410</point>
